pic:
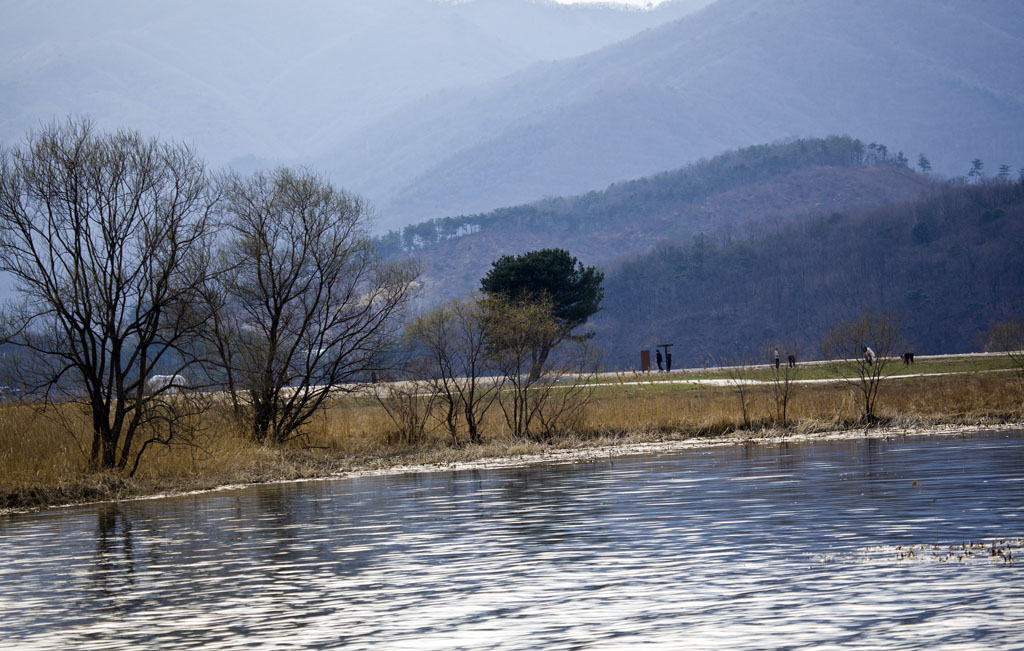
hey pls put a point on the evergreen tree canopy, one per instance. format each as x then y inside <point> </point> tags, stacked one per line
<point>574,290</point>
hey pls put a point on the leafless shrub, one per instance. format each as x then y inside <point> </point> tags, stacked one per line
<point>564,394</point>
<point>783,376</point>
<point>737,372</point>
<point>450,345</point>
<point>1008,337</point>
<point>409,406</point>
<point>859,350</point>
<point>180,419</point>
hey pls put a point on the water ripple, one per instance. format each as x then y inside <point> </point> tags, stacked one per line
<point>787,546</point>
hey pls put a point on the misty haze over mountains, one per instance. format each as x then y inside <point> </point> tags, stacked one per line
<point>924,77</point>
<point>432,109</point>
<point>274,82</point>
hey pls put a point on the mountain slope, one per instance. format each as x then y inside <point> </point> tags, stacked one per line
<point>734,192</point>
<point>947,265</point>
<point>269,79</point>
<point>939,78</point>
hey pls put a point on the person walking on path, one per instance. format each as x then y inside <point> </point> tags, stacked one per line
<point>777,358</point>
<point>869,355</point>
<point>657,358</point>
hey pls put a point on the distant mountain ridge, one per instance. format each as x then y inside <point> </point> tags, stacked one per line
<point>264,83</point>
<point>432,109</point>
<point>925,76</point>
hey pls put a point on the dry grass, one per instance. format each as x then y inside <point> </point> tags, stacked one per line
<point>44,452</point>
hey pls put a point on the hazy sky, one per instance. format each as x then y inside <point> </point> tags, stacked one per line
<point>634,3</point>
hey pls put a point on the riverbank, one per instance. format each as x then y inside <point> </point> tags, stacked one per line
<point>596,452</point>
<point>600,452</point>
<point>287,466</point>
<point>43,452</point>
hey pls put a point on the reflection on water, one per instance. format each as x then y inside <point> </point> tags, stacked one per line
<point>743,546</point>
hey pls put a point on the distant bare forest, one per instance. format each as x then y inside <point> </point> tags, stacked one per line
<point>766,243</point>
<point>640,199</point>
<point>948,265</point>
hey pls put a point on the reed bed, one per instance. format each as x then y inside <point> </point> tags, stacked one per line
<point>44,451</point>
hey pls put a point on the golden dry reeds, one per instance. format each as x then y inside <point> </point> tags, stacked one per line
<point>44,450</point>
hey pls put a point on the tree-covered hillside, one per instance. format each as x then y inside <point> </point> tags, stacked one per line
<point>761,184</point>
<point>630,200</point>
<point>948,265</point>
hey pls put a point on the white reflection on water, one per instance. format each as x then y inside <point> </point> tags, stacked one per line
<point>721,547</point>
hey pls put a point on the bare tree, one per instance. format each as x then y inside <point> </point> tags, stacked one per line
<point>105,235</point>
<point>305,305</point>
<point>859,350</point>
<point>736,371</point>
<point>536,405</point>
<point>1008,337</point>
<point>564,394</point>
<point>451,343</point>
<point>783,376</point>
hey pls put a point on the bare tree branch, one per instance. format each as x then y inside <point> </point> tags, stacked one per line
<point>102,234</point>
<point>305,306</point>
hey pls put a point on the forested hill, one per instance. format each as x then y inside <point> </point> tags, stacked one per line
<point>940,77</point>
<point>948,265</point>
<point>764,184</point>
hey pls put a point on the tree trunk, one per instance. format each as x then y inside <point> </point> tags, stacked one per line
<point>537,365</point>
<point>263,413</point>
<point>109,450</point>
<point>452,422</point>
<point>104,441</point>
<point>474,433</point>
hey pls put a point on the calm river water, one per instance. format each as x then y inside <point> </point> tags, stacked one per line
<point>758,546</point>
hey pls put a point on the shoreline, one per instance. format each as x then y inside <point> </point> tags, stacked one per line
<point>563,455</point>
<point>597,453</point>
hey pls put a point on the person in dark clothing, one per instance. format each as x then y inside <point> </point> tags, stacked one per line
<point>657,358</point>
<point>792,361</point>
<point>668,362</point>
